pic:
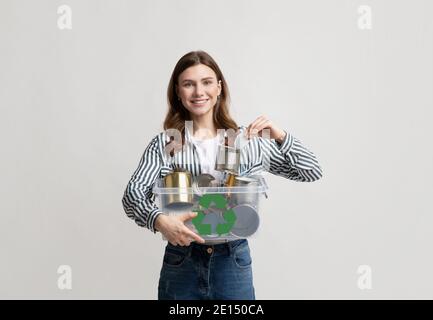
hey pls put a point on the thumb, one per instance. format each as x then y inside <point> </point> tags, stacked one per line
<point>188,216</point>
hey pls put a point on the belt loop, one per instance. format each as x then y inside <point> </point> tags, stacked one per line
<point>229,244</point>
<point>189,250</point>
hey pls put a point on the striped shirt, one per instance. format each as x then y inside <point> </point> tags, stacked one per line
<point>289,159</point>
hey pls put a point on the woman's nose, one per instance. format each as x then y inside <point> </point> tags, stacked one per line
<point>198,90</point>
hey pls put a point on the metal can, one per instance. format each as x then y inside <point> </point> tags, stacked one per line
<point>228,159</point>
<point>230,180</point>
<point>247,193</point>
<point>181,198</point>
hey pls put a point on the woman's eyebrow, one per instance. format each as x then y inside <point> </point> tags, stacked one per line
<point>201,79</point>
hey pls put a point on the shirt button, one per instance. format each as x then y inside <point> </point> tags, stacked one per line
<point>209,250</point>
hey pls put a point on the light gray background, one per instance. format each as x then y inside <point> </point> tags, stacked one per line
<point>78,108</point>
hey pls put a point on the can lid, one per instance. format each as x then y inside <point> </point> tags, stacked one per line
<point>246,179</point>
<point>247,220</point>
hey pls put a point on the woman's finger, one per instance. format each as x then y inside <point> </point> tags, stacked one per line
<point>195,237</point>
<point>260,120</point>
<point>187,216</point>
<point>258,127</point>
<point>184,242</point>
<point>263,125</point>
<point>252,124</point>
<point>251,129</point>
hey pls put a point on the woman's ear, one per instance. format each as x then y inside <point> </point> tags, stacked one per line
<point>219,87</point>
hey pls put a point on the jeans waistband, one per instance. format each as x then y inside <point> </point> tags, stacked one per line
<point>227,247</point>
<point>220,247</point>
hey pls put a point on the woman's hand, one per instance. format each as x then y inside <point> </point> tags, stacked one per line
<point>174,230</point>
<point>261,123</point>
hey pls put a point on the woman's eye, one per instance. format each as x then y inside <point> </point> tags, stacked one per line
<point>187,84</point>
<point>207,82</point>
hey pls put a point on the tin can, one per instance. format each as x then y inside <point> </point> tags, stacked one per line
<point>228,159</point>
<point>246,195</point>
<point>182,199</point>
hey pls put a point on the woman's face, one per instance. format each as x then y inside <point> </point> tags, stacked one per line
<point>198,89</point>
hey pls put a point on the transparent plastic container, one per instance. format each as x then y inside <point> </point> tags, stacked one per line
<point>223,213</point>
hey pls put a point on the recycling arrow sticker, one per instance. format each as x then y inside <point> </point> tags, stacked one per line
<point>212,202</point>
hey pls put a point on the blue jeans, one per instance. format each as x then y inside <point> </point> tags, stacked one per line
<point>202,272</point>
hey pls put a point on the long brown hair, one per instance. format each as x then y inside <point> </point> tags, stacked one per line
<point>177,114</point>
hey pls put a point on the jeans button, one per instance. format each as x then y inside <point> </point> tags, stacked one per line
<point>209,250</point>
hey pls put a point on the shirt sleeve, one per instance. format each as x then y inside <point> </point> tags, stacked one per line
<point>290,159</point>
<point>138,200</point>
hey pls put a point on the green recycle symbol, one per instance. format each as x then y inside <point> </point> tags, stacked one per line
<point>220,203</point>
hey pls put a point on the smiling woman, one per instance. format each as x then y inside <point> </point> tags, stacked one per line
<point>198,91</point>
<point>198,96</point>
<point>191,268</point>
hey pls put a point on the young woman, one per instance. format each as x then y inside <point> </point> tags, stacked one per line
<point>193,268</point>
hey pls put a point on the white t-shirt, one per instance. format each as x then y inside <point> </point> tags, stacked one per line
<point>207,152</point>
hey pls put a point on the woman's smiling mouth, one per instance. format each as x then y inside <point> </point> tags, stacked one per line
<point>199,102</point>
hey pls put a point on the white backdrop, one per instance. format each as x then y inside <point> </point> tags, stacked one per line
<point>79,106</point>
